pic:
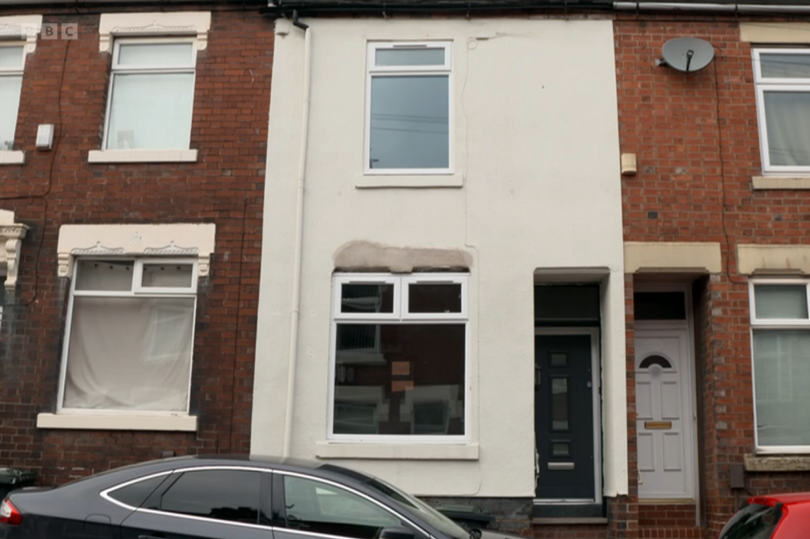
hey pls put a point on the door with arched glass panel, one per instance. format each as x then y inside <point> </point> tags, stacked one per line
<point>664,415</point>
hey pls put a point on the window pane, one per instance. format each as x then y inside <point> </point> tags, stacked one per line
<point>10,87</point>
<point>155,54</point>
<point>781,301</point>
<point>784,66</point>
<point>410,122</point>
<point>434,298</point>
<point>659,306</point>
<point>135,494</point>
<point>399,379</point>
<point>367,298</point>
<point>559,403</point>
<point>104,275</point>
<point>787,118</point>
<point>409,57</point>
<point>151,111</point>
<point>11,57</point>
<point>231,495</point>
<point>129,354</point>
<point>566,303</point>
<point>167,275</point>
<point>560,449</point>
<point>782,373</point>
<point>323,509</point>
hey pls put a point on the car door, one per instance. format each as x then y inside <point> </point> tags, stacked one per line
<point>313,506</point>
<point>205,503</point>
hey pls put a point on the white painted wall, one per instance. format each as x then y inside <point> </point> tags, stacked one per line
<point>536,141</point>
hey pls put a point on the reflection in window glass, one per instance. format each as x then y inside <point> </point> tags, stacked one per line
<point>559,403</point>
<point>561,449</point>
<point>785,66</point>
<point>104,275</point>
<point>434,298</point>
<point>787,116</point>
<point>409,57</point>
<point>422,394</point>
<point>135,494</point>
<point>324,509</point>
<point>167,276</point>
<point>231,495</point>
<point>367,298</point>
<point>410,122</point>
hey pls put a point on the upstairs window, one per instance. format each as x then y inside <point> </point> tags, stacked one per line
<point>12,60</point>
<point>408,108</point>
<point>151,94</point>
<point>783,101</point>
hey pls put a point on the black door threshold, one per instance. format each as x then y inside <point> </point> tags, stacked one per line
<point>567,510</point>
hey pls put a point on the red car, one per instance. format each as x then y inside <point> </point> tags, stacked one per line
<point>778,516</point>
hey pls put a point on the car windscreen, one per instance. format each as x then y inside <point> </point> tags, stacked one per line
<point>754,521</point>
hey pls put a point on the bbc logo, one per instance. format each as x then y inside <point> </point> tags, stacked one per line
<point>69,30</point>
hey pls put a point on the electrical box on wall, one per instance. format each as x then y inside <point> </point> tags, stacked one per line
<point>45,136</point>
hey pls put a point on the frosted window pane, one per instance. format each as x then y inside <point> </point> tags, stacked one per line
<point>410,57</point>
<point>11,57</point>
<point>787,115</point>
<point>781,301</point>
<point>104,275</point>
<point>782,374</point>
<point>151,111</point>
<point>129,354</point>
<point>167,276</point>
<point>155,54</point>
<point>785,66</point>
<point>410,122</point>
<point>10,87</point>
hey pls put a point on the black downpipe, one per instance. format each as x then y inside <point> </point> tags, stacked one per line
<point>297,23</point>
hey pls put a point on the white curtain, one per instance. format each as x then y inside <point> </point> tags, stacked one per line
<point>787,115</point>
<point>10,87</point>
<point>129,353</point>
<point>151,111</point>
<point>782,374</point>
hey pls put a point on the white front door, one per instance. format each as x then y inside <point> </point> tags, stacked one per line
<point>665,422</point>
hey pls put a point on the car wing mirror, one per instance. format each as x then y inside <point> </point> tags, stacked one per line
<point>395,533</point>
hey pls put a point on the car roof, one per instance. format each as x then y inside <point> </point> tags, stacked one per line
<point>791,498</point>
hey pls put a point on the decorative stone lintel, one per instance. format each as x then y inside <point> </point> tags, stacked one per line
<point>22,27</point>
<point>136,240</point>
<point>180,23</point>
<point>777,463</point>
<point>11,236</point>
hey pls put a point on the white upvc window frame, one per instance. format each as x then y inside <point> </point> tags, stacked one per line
<point>401,317</point>
<point>116,69</point>
<point>763,85</point>
<point>373,70</point>
<point>136,290</point>
<point>774,324</point>
<point>15,71</point>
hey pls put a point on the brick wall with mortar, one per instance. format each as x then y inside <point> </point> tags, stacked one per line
<point>66,83</point>
<point>697,143</point>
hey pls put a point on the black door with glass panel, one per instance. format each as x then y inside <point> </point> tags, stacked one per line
<point>563,417</point>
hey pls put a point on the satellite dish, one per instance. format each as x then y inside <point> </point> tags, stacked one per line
<point>687,54</point>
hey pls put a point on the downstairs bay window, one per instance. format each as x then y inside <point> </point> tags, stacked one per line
<point>780,327</point>
<point>399,357</point>
<point>129,336</point>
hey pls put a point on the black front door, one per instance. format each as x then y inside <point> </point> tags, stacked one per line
<point>563,417</point>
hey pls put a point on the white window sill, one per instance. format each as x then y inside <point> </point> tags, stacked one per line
<point>112,421</point>
<point>8,157</point>
<point>373,181</point>
<point>404,451</point>
<point>777,463</point>
<point>780,182</point>
<point>142,156</point>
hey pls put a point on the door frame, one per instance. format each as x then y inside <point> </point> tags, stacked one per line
<point>596,381</point>
<point>689,326</point>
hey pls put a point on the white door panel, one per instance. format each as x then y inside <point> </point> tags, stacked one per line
<point>664,420</point>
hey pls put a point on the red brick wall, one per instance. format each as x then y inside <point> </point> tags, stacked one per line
<point>697,143</point>
<point>65,83</point>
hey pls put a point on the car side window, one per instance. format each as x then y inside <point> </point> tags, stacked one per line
<point>231,495</point>
<point>135,494</point>
<point>321,508</point>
